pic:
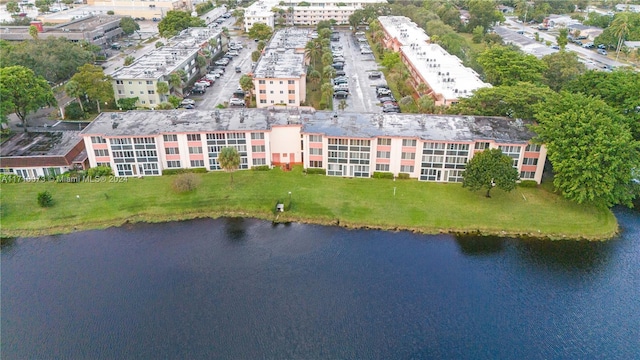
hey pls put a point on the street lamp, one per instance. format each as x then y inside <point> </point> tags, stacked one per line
<point>289,198</point>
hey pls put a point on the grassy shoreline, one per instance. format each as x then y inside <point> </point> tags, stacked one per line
<point>351,203</point>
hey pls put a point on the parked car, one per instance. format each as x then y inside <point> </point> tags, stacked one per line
<point>341,87</point>
<point>386,98</point>
<point>588,45</point>
<point>555,47</point>
<point>199,89</point>
<point>383,92</point>
<point>238,69</point>
<point>340,80</point>
<point>341,94</point>
<point>188,106</point>
<point>340,73</point>
<point>390,109</point>
<point>236,102</point>
<point>338,66</point>
<point>221,62</point>
<point>187,102</point>
<point>602,46</point>
<point>337,59</point>
<point>383,86</point>
<point>375,75</point>
<point>233,53</point>
<point>602,52</point>
<point>209,79</point>
<point>202,83</point>
<point>366,51</point>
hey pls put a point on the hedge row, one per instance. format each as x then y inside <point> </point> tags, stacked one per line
<point>184,171</point>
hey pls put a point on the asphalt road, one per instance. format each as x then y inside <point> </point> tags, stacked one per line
<point>357,67</point>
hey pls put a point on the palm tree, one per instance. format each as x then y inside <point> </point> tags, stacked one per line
<point>313,52</point>
<point>72,88</point>
<point>314,77</point>
<point>327,59</point>
<point>620,28</point>
<point>229,160</point>
<point>328,72</point>
<point>163,89</point>
<point>327,92</point>
<point>426,104</point>
<point>422,88</point>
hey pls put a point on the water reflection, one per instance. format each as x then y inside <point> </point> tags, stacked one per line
<point>479,245</point>
<point>566,256</point>
<point>235,228</point>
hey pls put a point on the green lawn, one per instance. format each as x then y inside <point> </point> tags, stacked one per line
<point>419,206</point>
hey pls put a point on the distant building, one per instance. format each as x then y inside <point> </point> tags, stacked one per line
<point>446,78</point>
<point>280,75</point>
<point>426,147</point>
<point>99,30</point>
<point>259,12</point>
<point>628,7</point>
<point>141,78</point>
<point>142,8</point>
<point>32,155</point>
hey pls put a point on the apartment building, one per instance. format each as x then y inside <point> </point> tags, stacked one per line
<point>426,147</point>
<point>304,12</point>
<point>98,30</point>
<point>32,155</point>
<point>141,78</point>
<point>446,78</point>
<point>280,74</point>
<point>142,8</point>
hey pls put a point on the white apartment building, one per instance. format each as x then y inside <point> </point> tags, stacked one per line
<point>259,12</point>
<point>280,75</point>
<point>142,8</point>
<point>141,78</point>
<point>446,78</point>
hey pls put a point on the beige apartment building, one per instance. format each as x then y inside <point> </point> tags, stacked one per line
<point>142,8</point>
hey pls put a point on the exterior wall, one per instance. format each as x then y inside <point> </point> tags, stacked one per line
<point>34,173</point>
<point>276,91</point>
<point>285,142</point>
<point>251,19</point>
<point>144,89</point>
<point>141,8</point>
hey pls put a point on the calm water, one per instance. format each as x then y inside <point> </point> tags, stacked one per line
<point>242,289</point>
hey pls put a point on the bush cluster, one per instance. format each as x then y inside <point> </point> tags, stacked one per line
<point>528,183</point>
<point>185,182</point>
<point>261,168</point>
<point>184,171</point>
<point>45,199</point>
<point>403,176</point>
<point>312,171</point>
<point>382,175</point>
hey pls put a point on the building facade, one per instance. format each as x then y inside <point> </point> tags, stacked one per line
<point>280,74</point>
<point>445,77</point>
<point>142,8</point>
<point>425,147</point>
<point>141,78</point>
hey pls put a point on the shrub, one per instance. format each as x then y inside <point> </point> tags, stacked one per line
<point>111,12</point>
<point>403,176</point>
<point>382,175</point>
<point>316,171</point>
<point>528,183</point>
<point>186,182</point>
<point>73,111</point>
<point>184,171</point>
<point>45,199</point>
<point>261,168</point>
<point>99,171</point>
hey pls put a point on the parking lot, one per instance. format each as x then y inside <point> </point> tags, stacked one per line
<point>362,90</point>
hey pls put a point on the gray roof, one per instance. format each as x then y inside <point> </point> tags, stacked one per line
<point>50,143</point>
<point>284,55</point>
<point>343,124</point>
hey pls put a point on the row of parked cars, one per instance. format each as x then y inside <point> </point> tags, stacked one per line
<point>340,82</point>
<point>363,43</point>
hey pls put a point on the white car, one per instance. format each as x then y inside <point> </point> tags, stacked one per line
<point>233,53</point>
<point>202,83</point>
<point>236,102</point>
<point>187,102</point>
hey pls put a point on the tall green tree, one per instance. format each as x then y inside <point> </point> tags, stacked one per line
<point>314,78</point>
<point>33,31</point>
<point>488,169</point>
<point>590,147</point>
<point>506,66</point>
<point>229,160</point>
<point>175,21</point>
<point>128,25</point>
<point>313,51</point>
<point>260,31</point>
<point>562,38</point>
<point>562,68</point>
<point>22,92</point>
<point>246,84</point>
<point>255,56</point>
<point>94,83</point>
<point>13,7</point>
<point>162,88</point>
<point>72,89</point>
<point>390,60</point>
<point>483,13</point>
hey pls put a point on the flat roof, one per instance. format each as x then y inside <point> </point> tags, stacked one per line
<point>403,29</point>
<point>169,58</point>
<point>342,124</point>
<point>49,143</point>
<point>284,55</point>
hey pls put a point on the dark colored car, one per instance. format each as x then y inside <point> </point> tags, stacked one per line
<point>338,66</point>
<point>340,73</point>
<point>340,80</point>
<point>391,109</point>
<point>385,86</point>
<point>386,98</point>
<point>375,75</point>
<point>341,94</point>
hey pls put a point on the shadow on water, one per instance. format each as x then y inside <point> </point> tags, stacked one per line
<point>480,245</point>
<point>235,228</point>
<point>7,244</point>
<point>566,255</point>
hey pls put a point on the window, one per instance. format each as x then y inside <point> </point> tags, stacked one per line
<point>406,168</point>
<point>315,164</point>
<point>172,151</point>
<point>146,140</point>
<point>258,162</point>
<point>170,137</point>
<point>408,142</point>
<point>527,174</point>
<point>281,83</point>
<point>197,163</point>
<point>130,83</point>
<point>149,82</point>
<point>281,91</point>
<point>408,156</point>
<point>315,138</point>
<point>257,148</point>
<point>263,101</point>
<point>292,91</point>
<point>292,101</point>
<point>257,136</point>
<point>382,167</point>
<point>270,82</point>
<point>315,151</point>
<point>98,140</point>
<point>150,92</point>
<point>482,145</point>
<point>141,92</point>
<point>290,82</point>
<point>146,153</point>
<point>103,164</point>
<point>530,161</point>
<point>271,92</point>
<point>263,91</point>
<point>119,82</point>
<point>173,164</point>
<point>533,148</point>
<point>383,154</point>
<point>261,82</point>
<point>119,141</point>
<point>101,152</point>
<point>193,137</point>
<point>384,141</point>
<point>120,92</point>
<point>139,82</point>
<point>131,92</point>
<point>195,150</point>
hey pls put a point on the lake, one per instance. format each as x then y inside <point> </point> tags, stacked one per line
<point>243,289</point>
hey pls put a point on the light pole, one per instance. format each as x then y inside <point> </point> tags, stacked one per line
<point>289,198</point>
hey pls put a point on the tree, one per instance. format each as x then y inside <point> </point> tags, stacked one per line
<point>314,78</point>
<point>488,169</point>
<point>159,44</point>
<point>229,160</point>
<point>255,56</point>
<point>175,21</point>
<point>261,45</point>
<point>22,92</point>
<point>327,59</point>
<point>45,199</point>
<point>590,147</point>
<point>426,104</point>
<point>562,67</point>
<point>260,31</point>
<point>514,101</point>
<point>127,103</point>
<point>246,84</point>
<point>128,60</point>
<point>94,83</point>
<point>561,39</point>
<point>483,13</point>
<point>72,89</point>
<point>128,25</point>
<point>328,72</point>
<point>13,7</point>
<point>478,34</point>
<point>390,60</point>
<point>175,81</point>
<point>327,92</point>
<point>162,88</point>
<point>238,14</point>
<point>33,32</point>
<point>506,66</point>
<point>174,101</point>
<point>313,51</point>
<point>620,28</point>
